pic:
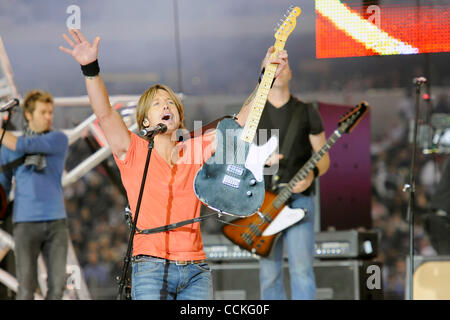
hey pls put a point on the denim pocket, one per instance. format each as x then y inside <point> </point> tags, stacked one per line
<point>204,267</point>
<point>143,266</point>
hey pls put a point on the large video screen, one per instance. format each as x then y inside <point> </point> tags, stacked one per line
<point>366,28</point>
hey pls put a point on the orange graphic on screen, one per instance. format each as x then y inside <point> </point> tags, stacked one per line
<point>350,31</point>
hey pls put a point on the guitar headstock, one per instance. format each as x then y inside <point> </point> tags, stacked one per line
<point>349,120</point>
<point>288,24</point>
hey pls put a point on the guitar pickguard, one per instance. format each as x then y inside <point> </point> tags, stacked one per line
<point>286,218</point>
<point>258,155</point>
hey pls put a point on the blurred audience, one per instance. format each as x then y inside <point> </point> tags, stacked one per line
<point>391,156</point>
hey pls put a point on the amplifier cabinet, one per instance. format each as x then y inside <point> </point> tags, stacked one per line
<point>348,280</point>
<point>348,244</point>
<point>335,280</point>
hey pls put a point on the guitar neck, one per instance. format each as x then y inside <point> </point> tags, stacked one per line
<point>286,192</point>
<point>260,99</point>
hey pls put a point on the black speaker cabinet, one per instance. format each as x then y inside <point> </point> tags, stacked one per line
<point>335,280</point>
<point>348,280</point>
<point>239,280</point>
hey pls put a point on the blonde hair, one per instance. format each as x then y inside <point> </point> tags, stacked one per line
<point>146,99</point>
<point>29,102</point>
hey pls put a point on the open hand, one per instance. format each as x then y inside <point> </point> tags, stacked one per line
<point>83,52</point>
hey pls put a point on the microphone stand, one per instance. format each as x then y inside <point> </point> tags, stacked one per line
<point>411,188</point>
<point>124,279</point>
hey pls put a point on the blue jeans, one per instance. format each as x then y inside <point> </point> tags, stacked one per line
<point>157,279</point>
<point>299,240</point>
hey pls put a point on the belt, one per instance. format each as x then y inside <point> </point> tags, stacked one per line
<point>177,262</point>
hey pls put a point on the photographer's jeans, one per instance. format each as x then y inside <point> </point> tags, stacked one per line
<point>299,240</point>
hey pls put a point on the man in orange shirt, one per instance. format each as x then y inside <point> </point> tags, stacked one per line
<point>171,264</point>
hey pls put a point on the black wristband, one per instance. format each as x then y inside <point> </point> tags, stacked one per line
<point>316,172</point>
<point>91,69</point>
<point>261,76</point>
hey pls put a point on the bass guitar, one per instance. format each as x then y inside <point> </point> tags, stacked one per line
<point>257,233</point>
<point>232,181</point>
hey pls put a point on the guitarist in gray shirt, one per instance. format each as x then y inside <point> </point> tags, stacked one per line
<point>308,137</point>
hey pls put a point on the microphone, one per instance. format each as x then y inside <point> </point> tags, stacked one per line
<point>152,131</point>
<point>419,80</point>
<point>9,105</point>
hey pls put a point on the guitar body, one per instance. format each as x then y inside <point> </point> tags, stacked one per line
<point>232,180</point>
<point>250,238</point>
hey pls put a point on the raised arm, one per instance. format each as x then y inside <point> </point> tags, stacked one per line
<point>114,128</point>
<point>280,59</point>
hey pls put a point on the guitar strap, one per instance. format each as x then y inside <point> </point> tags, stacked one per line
<point>210,126</point>
<point>175,225</point>
<point>13,164</point>
<point>286,148</point>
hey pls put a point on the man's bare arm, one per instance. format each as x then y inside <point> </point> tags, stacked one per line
<point>246,107</point>
<point>114,128</point>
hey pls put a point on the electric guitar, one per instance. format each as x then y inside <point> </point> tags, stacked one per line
<point>232,180</point>
<point>258,232</point>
